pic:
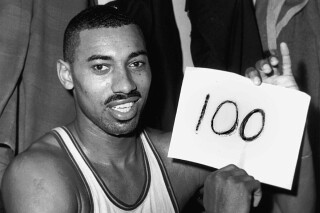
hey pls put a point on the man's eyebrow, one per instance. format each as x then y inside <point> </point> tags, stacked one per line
<point>135,54</point>
<point>97,57</point>
<point>105,57</point>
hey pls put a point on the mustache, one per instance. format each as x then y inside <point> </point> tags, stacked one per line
<point>121,96</point>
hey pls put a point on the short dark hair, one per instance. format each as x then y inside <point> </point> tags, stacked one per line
<point>99,16</point>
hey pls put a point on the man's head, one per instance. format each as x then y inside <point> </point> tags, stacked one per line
<point>106,66</point>
<point>102,16</point>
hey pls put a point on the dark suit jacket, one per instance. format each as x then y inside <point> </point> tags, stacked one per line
<point>224,34</point>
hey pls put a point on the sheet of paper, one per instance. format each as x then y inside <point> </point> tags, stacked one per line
<point>223,118</point>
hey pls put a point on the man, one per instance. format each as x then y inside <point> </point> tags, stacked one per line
<point>104,161</point>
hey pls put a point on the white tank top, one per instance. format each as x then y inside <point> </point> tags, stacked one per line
<point>156,197</point>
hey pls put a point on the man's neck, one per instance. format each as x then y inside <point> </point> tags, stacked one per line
<point>103,148</point>
<point>118,160</point>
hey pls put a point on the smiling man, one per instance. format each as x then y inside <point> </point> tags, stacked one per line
<point>105,160</point>
<point>110,77</point>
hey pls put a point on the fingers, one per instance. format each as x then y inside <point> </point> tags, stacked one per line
<point>229,167</point>
<point>263,70</point>
<point>230,189</point>
<point>273,61</point>
<point>268,66</point>
<point>270,71</point>
<point>257,194</point>
<point>240,176</point>
<point>254,75</point>
<point>253,187</point>
<point>286,61</point>
<point>263,66</point>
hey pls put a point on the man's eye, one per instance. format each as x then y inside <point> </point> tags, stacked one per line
<point>136,64</point>
<point>101,68</point>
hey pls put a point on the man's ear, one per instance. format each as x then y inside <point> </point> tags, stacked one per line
<point>64,74</point>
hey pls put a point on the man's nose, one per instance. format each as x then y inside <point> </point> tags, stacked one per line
<point>123,81</point>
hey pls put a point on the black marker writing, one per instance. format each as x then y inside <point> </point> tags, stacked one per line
<point>236,121</point>
<point>229,131</point>
<point>244,123</point>
<point>203,111</point>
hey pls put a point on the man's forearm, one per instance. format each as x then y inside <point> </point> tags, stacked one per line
<point>6,155</point>
<point>303,196</point>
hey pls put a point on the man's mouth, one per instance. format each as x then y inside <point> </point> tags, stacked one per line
<point>123,107</point>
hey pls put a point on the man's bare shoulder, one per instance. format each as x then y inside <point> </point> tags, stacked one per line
<point>42,155</point>
<point>41,180</point>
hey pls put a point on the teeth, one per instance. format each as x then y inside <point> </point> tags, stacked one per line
<point>123,107</point>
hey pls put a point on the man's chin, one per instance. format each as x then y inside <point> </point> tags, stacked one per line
<point>124,129</point>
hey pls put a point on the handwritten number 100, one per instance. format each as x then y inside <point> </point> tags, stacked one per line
<point>235,124</point>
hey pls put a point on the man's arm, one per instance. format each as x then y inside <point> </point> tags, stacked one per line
<point>6,155</point>
<point>230,189</point>
<point>302,197</point>
<point>34,183</point>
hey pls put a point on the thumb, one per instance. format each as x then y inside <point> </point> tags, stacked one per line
<point>255,187</point>
<point>257,195</point>
<point>286,60</point>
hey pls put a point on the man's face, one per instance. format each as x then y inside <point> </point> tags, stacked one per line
<point>111,76</point>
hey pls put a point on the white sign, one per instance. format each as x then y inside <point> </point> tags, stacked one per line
<point>223,118</point>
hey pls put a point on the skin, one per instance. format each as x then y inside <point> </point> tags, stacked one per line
<point>113,61</point>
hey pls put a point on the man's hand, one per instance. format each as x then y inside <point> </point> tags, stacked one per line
<point>230,190</point>
<point>272,71</point>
